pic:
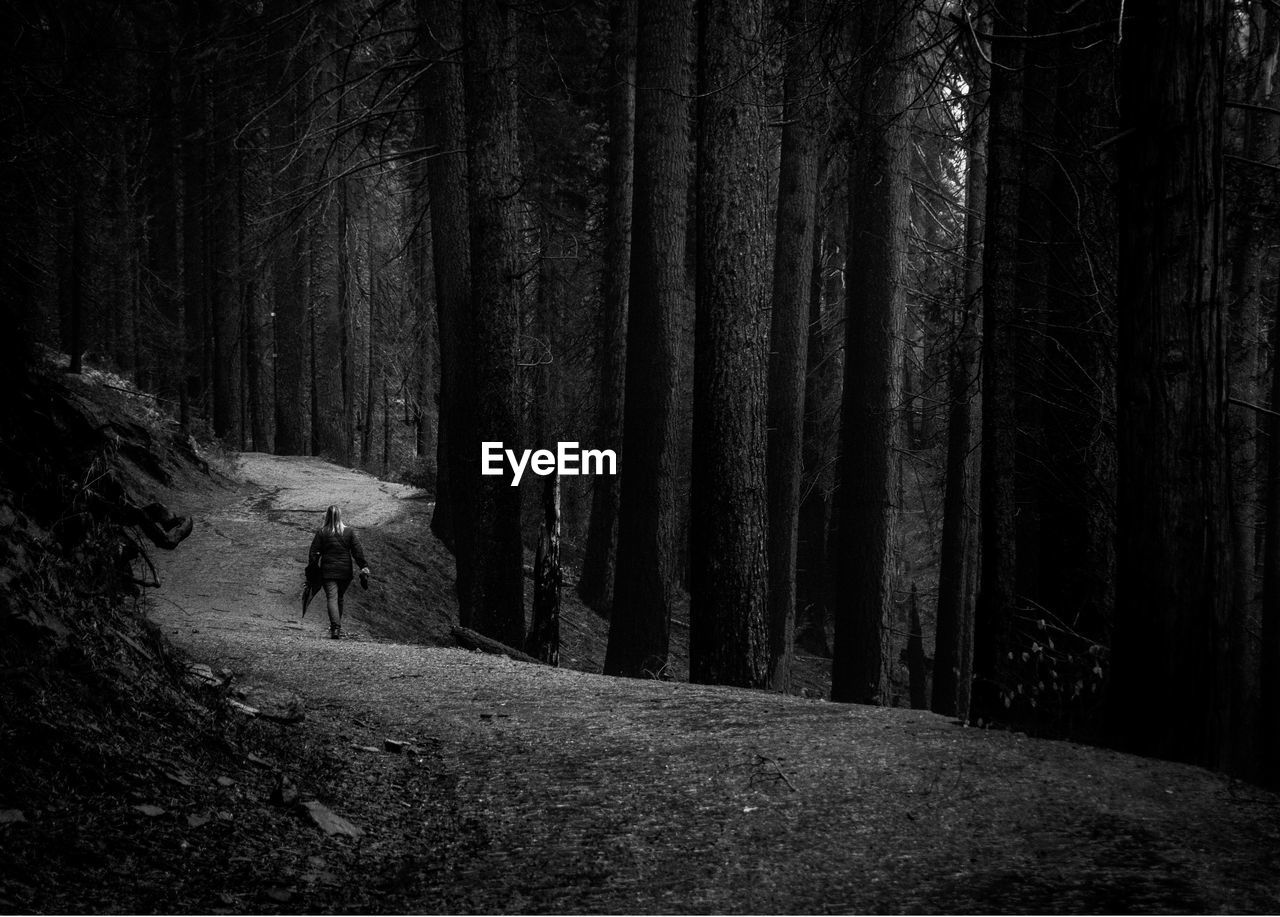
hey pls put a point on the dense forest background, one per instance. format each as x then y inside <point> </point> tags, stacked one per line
<point>937,337</point>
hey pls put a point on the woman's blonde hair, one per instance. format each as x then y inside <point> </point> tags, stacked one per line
<point>333,520</point>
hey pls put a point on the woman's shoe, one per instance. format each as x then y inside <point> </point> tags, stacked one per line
<point>335,632</point>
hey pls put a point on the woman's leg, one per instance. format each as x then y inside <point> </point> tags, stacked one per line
<point>343,585</point>
<point>333,601</point>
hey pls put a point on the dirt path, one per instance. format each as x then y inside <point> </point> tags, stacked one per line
<point>239,571</point>
<point>533,789</point>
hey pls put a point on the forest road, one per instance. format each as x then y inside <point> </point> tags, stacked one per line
<point>529,788</point>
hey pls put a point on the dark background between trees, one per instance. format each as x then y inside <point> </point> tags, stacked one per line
<point>936,337</point>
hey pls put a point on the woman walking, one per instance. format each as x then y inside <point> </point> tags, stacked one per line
<point>332,550</point>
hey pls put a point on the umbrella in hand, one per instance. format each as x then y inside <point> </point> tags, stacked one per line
<point>311,584</point>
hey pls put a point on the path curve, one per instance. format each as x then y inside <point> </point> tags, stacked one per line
<point>561,791</point>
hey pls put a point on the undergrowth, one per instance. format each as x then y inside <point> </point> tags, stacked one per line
<point>99,718</point>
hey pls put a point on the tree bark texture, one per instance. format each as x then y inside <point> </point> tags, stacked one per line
<point>595,585</point>
<point>1169,691</point>
<point>788,334</point>
<point>1270,663</point>
<point>74,335</point>
<point>959,521</point>
<point>442,94</point>
<point>1255,222</point>
<point>493,184</point>
<point>426,372</point>
<point>289,272</point>
<point>874,318</point>
<point>823,375</point>
<point>728,610</point>
<point>997,592</point>
<point>917,665</point>
<point>161,190</point>
<point>195,278</point>
<point>345,317</point>
<point>371,373</point>
<point>648,517</point>
<point>544,631</point>
<point>225,303</point>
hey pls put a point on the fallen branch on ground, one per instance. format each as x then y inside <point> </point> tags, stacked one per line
<point>473,640</point>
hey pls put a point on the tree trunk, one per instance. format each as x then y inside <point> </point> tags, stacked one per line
<point>821,432</point>
<point>74,341</point>
<point>972,574</point>
<point>595,585</point>
<point>878,223</point>
<point>1255,222</point>
<point>260,439</point>
<point>427,422</point>
<point>997,592</point>
<point>544,633</point>
<point>493,184</point>
<point>127,245</point>
<point>346,344</point>
<point>225,305</point>
<point>345,313</point>
<point>1169,690</point>
<point>728,606</point>
<point>366,440</point>
<point>252,433</point>
<point>386,427</point>
<point>195,280</point>
<point>161,188</point>
<point>959,524</point>
<point>289,278</point>
<point>313,349</point>
<point>1270,707</point>
<point>648,518</point>
<point>917,663</point>
<point>442,94</point>
<point>788,336</point>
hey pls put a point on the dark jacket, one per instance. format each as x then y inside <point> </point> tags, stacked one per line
<point>333,553</point>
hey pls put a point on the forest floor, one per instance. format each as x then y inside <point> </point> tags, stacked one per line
<point>527,788</point>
